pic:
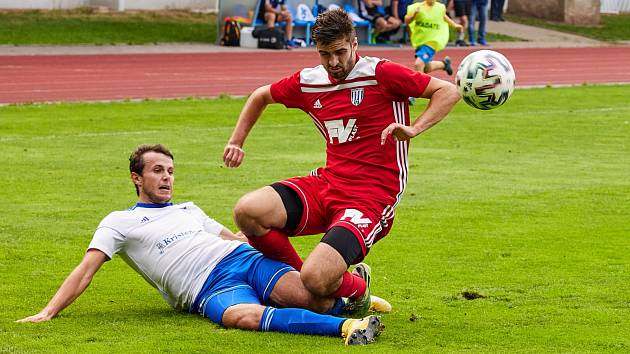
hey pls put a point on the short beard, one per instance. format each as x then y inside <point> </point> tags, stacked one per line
<point>346,68</point>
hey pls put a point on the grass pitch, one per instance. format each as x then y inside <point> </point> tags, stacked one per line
<point>611,28</point>
<point>513,235</point>
<point>87,26</point>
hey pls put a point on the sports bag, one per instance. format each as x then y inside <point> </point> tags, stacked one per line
<point>269,38</point>
<point>231,33</point>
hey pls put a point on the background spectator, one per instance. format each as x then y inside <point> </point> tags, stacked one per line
<point>373,11</point>
<point>478,10</point>
<point>462,11</point>
<point>277,11</point>
<point>399,8</point>
<point>496,10</point>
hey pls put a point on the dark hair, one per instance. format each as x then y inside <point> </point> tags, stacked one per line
<point>331,26</point>
<point>136,160</point>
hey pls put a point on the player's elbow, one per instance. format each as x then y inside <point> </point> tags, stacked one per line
<point>449,93</point>
<point>455,94</point>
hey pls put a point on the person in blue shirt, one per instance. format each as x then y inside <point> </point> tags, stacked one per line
<point>399,8</point>
<point>277,11</point>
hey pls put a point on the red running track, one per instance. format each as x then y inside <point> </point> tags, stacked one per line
<point>121,76</point>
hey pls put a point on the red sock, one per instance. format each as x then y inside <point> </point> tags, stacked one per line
<point>275,244</point>
<point>351,286</point>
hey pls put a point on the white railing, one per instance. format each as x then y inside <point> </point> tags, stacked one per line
<point>614,6</point>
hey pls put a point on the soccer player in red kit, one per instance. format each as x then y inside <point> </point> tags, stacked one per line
<point>359,105</point>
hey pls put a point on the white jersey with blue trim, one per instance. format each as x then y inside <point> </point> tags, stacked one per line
<point>173,246</point>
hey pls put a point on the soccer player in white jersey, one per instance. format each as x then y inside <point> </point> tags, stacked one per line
<point>359,105</point>
<point>200,266</point>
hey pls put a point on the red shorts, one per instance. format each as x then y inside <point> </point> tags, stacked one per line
<point>327,205</point>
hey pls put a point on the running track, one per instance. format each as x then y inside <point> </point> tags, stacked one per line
<point>47,78</point>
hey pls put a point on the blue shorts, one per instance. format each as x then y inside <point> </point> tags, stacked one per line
<point>425,53</point>
<point>244,276</point>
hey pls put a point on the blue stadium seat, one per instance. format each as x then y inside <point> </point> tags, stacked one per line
<point>359,23</point>
<point>301,23</point>
<point>347,6</point>
<point>258,19</point>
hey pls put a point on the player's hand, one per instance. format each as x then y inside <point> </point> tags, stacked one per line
<point>459,28</point>
<point>399,131</point>
<point>233,155</point>
<point>40,317</point>
<point>240,236</point>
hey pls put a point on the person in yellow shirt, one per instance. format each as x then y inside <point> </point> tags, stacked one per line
<point>428,25</point>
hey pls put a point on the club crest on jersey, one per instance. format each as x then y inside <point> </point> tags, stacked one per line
<point>356,96</point>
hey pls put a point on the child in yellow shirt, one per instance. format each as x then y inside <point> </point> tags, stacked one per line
<point>428,25</point>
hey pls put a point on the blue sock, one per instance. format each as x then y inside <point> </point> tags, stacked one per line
<point>337,308</point>
<point>299,321</point>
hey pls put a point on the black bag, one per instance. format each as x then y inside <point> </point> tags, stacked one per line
<point>269,38</point>
<point>231,33</point>
<point>322,9</point>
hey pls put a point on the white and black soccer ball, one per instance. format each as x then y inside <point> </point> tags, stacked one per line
<point>485,79</point>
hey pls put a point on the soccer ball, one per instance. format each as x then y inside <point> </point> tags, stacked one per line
<point>485,79</point>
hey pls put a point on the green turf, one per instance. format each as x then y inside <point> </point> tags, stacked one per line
<point>490,37</point>
<point>498,37</point>
<point>85,26</point>
<point>524,209</point>
<point>611,28</point>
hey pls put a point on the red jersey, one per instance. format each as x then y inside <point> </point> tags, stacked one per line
<point>351,114</point>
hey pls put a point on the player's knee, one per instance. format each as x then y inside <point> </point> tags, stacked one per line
<point>321,304</point>
<point>245,214</point>
<point>242,317</point>
<point>316,281</point>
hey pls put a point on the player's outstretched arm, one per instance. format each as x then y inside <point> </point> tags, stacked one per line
<point>452,24</point>
<point>72,287</point>
<point>233,153</point>
<point>442,97</point>
<point>411,15</point>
